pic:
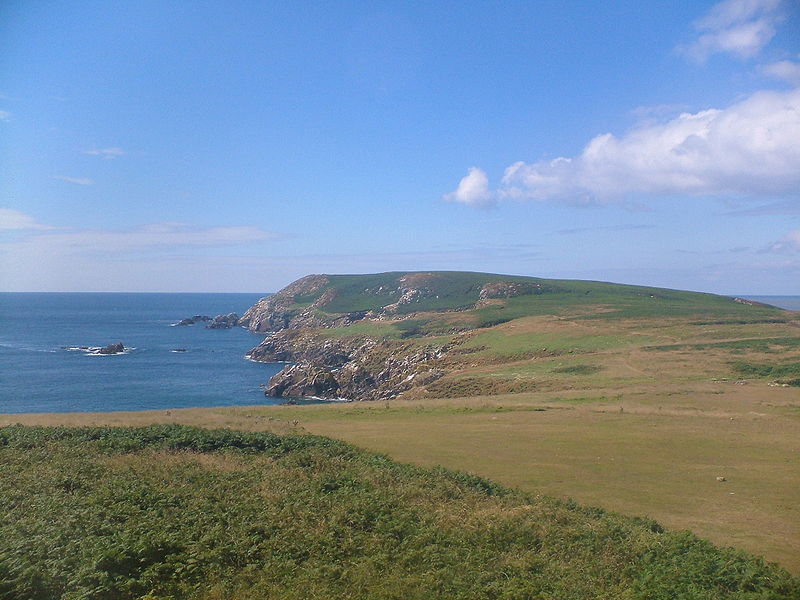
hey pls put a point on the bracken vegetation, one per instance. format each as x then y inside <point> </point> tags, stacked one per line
<point>173,512</point>
<point>787,372</point>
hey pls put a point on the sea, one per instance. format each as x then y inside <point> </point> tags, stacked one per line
<point>47,365</point>
<point>43,367</point>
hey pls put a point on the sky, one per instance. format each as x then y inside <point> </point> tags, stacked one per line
<point>236,146</point>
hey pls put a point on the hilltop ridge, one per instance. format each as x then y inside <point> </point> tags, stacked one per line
<point>339,300</point>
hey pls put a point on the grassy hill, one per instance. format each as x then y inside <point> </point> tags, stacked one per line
<point>171,512</point>
<point>494,334</point>
<point>505,296</point>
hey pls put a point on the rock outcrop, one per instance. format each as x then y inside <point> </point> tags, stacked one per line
<point>194,319</point>
<point>509,289</point>
<point>117,348</point>
<point>288,309</point>
<point>223,321</point>
<point>349,368</point>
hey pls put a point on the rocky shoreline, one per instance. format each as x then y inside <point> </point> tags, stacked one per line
<point>359,368</point>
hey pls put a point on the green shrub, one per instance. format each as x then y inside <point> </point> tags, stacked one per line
<point>177,513</point>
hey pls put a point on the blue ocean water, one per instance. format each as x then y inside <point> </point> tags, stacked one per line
<point>787,302</point>
<point>38,373</point>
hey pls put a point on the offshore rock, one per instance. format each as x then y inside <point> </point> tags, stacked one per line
<point>117,348</point>
<point>224,321</point>
<point>194,319</point>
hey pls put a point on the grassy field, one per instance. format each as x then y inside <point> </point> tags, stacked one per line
<point>178,513</point>
<point>645,450</point>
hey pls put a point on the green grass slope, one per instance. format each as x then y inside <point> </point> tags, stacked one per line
<point>171,512</point>
<point>453,290</point>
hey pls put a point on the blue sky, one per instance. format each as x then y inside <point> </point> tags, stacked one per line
<point>236,146</point>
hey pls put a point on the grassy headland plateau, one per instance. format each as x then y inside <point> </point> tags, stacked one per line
<point>445,334</point>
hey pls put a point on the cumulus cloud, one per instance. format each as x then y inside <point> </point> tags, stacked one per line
<point>750,149</point>
<point>473,189</point>
<point>106,153</point>
<point>75,180</point>
<point>738,27</point>
<point>14,220</point>
<point>785,69</point>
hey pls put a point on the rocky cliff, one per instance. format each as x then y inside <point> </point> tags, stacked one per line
<point>363,367</point>
<point>353,368</point>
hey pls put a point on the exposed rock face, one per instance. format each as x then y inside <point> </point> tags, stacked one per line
<point>193,320</point>
<point>117,348</point>
<point>224,321</point>
<point>286,310</point>
<point>351,368</point>
<point>362,368</point>
<point>508,289</point>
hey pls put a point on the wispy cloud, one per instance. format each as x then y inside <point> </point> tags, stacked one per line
<point>785,69</point>
<point>158,236</point>
<point>106,153</point>
<point>788,243</point>
<point>658,112</point>
<point>14,220</point>
<point>604,228</point>
<point>75,180</point>
<point>473,189</point>
<point>788,207</point>
<point>4,115</point>
<point>749,149</point>
<point>738,27</point>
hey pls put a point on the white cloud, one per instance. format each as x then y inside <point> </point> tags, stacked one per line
<point>473,189</point>
<point>738,27</point>
<point>106,153</point>
<point>4,115</point>
<point>785,69</point>
<point>13,220</point>
<point>75,180</point>
<point>750,148</point>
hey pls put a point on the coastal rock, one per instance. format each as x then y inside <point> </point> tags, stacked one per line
<point>194,319</point>
<point>360,368</point>
<point>117,348</point>
<point>224,321</point>
<point>289,308</point>
<point>303,380</point>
